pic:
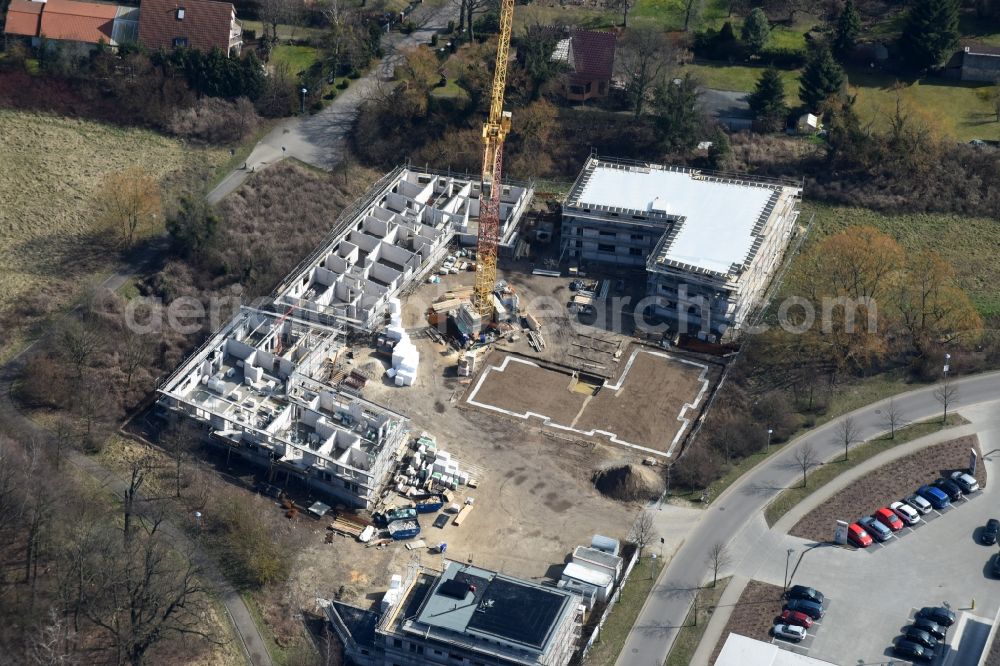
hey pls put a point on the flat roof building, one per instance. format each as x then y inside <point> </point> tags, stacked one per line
<point>467,615</point>
<point>709,242</point>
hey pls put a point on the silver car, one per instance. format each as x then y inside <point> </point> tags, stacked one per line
<point>789,632</point>
<point>966,482</point>
<point>879,531</point>
<point>919,503</point>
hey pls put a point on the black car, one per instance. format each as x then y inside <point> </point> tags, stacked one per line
<point>949,488</point>
<point>913,651</point>
<point>930,626</point>
<point>441,520</point>
<point>995,565</point>
<point>810,608</point>
<point>803,592</point>
<point>921,637</point>
<point>938,614</point>
<point>989,535</point>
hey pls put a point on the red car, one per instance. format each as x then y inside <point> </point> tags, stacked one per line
<point>797,618</point>
<point>858,536</point>
<point>889,518</point>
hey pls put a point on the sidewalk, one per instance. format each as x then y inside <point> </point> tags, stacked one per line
<point>713,632</point>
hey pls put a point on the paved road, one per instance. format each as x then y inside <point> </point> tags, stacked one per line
<point>319,140</point>
<point>14,421</point>
<point>670,600</point>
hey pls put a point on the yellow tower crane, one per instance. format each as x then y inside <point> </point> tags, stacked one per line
<point>494,132</point>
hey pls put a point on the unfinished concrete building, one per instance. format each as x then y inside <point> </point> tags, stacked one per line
<point>465,615</point>
<point>258,387</point>
<point>395,235</point>
<point>709,243</point>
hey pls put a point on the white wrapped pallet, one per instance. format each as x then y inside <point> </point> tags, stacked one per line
<point>395,332</point>
<point>395,305</point>
<point>399,380</point>
<point>396,320</point>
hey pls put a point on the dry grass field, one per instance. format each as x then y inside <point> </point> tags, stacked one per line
<point>51,168</point>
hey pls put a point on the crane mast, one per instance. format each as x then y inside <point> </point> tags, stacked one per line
<point>494,132</point>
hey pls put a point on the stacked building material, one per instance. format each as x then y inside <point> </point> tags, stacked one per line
<point>405,357</point>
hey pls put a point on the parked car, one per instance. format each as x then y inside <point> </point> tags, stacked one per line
<point>857,536</point>
<point>990,530</point>
<point>919,503</point>
<point>921,637</point>
<point>441,520</point>
<point>875,528</point>
<point>797,618</point>
<point>995,565</point>
<point>939,614</point>
<point>966,482</point>
<point>913,651</point>
<point>930,626</point>
<point>949,487</point>
<point>889,518</point>
<point>789,632</point>
<point>803,592</point>
<point>937,497</point>
<point>810,608</point>
<point>906,513</point>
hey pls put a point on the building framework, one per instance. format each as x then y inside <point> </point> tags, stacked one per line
<point>709,242</point>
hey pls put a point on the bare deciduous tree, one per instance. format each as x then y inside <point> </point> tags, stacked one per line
<point>643,530</point>
<point>644,57</point>
<point>848,433</point>
<point>78,342</point>
<point>806,459</point>
<point>946,393</point>
<point>128,204</point>
<point>893,417</point>
<point>718,559</point>
<point>134,352</point>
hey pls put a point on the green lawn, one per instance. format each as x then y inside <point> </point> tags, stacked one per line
<point>825,473</point>
<point>690,634</point>
<point>742,78</point>
<point>450,89</point>
<point>606,648</point>
<point>298,58</point>
<point>967,243</point>
<point>285,31</point>
<point>956,108</point>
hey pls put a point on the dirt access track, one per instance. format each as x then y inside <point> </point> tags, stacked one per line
<point>647,409</point>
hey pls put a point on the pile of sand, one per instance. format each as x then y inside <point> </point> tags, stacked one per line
<point>628,482</point>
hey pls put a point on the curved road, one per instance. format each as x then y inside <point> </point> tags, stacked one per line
<point>669,601</point>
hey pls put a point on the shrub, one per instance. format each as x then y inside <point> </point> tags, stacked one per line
<point>354,74</point>
<point>784,58</point>
<point>213,120</point>
<point>434,39</point>
<point>451,26</point>
<point>249,35</point>
<point>343,84</point>
<point>695,469</point>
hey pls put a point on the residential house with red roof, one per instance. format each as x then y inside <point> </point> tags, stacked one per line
<point>590,55</point>
<point>196,24</point>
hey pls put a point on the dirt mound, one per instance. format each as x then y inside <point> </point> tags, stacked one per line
<point>628,482</point>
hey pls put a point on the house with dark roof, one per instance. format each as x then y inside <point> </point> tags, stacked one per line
<point>87,23</point>
<point>981,63</point>
<point>196,24</point>
<point>464,615</point>
<point>590,55</point>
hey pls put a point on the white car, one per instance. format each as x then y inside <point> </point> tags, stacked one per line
<point>919,503</point>
<point>907,513</point>
<point>966,482</point>
<point>789,632</point>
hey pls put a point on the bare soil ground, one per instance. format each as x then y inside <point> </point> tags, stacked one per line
<point>888,484</point>
<point>645,409</point>
<point>51,168</point>
<point>754,613</point>
<point>523,388</point>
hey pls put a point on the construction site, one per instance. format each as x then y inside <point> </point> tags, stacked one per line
<point>465,397</point>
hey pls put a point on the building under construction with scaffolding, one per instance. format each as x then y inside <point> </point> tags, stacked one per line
<point>261,388</point>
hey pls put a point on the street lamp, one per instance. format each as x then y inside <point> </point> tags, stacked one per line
<point>947,364</point>
<point>767,448</point>
<point>304,91</point>
<point>788,556</point>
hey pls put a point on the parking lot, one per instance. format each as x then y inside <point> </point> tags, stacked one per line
<point>876,591</point>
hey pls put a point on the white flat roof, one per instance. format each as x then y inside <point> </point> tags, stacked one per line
<point>582,573</point>
<point>720,213</point>
<point>742,651</point>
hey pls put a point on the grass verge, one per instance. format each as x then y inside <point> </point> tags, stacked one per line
<point>278,655</point>
<point>619,623</point>
<point>827,472</point>
<point>695,623</point>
